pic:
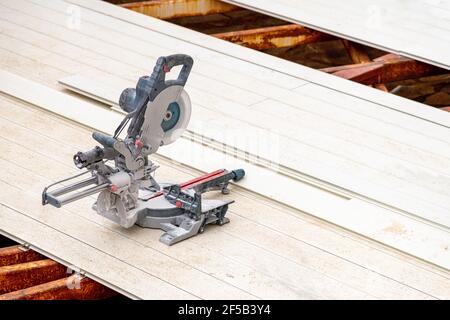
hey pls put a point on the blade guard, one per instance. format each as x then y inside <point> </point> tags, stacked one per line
<point>134,101</point>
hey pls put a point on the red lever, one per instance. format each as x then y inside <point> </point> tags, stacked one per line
<point>138,143</point>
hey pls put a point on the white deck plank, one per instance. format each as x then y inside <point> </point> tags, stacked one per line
<point>82,49</point>
<point>361,91</point>
<point>340,211</point>
<point>154,263</point>
<point>201,255</point>
<point>100,266</point>
<point>407,202</point>
<point>206,122</point>
<point>307,283</point>
<point>286,96</point>
<point>326,243</point>
<point>250,256</point>
<point>358,91</point>
<point>101,23</point>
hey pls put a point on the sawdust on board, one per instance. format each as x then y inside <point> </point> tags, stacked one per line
<point>396,228</point>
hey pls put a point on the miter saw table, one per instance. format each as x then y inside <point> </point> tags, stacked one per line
<point>158,112</point>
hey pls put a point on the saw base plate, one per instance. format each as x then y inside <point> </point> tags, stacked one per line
<point>177,224</point>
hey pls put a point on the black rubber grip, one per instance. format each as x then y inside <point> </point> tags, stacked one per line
<point>169,62</point>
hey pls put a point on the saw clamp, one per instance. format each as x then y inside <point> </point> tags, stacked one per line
<point>121,173</point>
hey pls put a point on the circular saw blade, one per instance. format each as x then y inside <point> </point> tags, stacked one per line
<point>176,118</point>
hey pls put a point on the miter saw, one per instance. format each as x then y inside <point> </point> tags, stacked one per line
<point>158,111</point>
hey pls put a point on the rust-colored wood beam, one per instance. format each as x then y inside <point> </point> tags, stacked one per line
<point>74,287</point>
<point>356,52</point>
<point>358,55</point>
<point>384,69</point>
<point>274,37</point>
<point>381,86</point>
<point>16,254</point>
<point>346,67</point>
<point>171,9</point>
<point>24,275</point>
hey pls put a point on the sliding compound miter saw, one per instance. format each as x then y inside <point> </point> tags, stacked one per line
<point>158,111</point>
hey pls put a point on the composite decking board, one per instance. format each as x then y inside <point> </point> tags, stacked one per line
<point>41,122</point>
<point>361,92</point>
<point>169,269</point>
<point>444,189</point>
<point>386,116</point>
<point>34,182</point>
<point>59,18</point>
<point>83,255</point>
<point>215,131</point>
<point>160,40</point>
<point>98,88</point>
<point>428,243</point>
<point>306,283</point>
<point>173,268</point>
<point>45,73</point>
<point>421,194</point>
<point>198,283</point>
<point>90,70</point>
<point>31,120</point>
<point>102,267</point>
<point>285,95</point>
<point>427,130</point>
<point>49,128</point>
<point>79,41</point>
<point>95,87</point>
<point>419,26</point>
<point>57,170</point>
<point>101,23</point>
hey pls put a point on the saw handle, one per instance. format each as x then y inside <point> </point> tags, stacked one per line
<point>167,63</point>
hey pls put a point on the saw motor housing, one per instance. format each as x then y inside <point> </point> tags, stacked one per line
<point>158,111</point>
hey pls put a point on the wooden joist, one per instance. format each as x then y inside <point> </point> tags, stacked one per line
<point>25,275</point>
<point>358,55</point>
<point>171,9</point>
<point>387,68</point>
<point>356,52</point>
<point>381,86</point>
<point>372,23</point>
<point>274,37</point>
<point>75,287</point>
<point>292,35</point>
<point>17,254</point>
